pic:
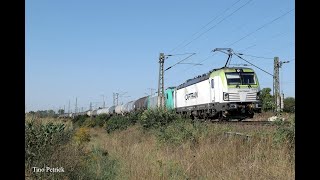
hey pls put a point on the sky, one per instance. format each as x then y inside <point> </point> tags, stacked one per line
<point>88,50</point>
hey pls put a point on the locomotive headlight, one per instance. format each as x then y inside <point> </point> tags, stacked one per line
<point>225,96</point>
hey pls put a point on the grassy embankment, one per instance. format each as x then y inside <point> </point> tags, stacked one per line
<point>157,145</point>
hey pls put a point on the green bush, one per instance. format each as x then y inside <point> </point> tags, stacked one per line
<point>117,123</point>
<point>79,120</point>
<point>134,116</point>
<point>267,99</point>
<point>289,104</point>
<point>99,165</point>
<point>89,122</point>
<point>41,140</point>
<point>180,131</point>
<point>156,118</point>
<point>285,132</point>
<point>101,119</point>
<point>50,145</point>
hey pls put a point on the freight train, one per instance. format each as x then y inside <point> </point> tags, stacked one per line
<point>223,93</point>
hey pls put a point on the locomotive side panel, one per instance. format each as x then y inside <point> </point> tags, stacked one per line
<point>193,95</point>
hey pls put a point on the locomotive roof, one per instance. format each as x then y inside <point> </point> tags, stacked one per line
<point>205,76</point>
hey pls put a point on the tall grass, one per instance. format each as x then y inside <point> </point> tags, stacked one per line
<point>49,144</point>
<point>164,146</point>
<point>199,151</point>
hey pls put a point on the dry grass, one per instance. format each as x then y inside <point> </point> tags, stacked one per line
<point>265,115</point>
<point>262,116</point>
<point>67,122</point>
<point>214,156</point>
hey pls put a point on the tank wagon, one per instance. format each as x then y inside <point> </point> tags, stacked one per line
<point>112,109</point>
<point>102,111</point>
<point>141,104</point>
<point>128,107</point>
<point>119,109</point>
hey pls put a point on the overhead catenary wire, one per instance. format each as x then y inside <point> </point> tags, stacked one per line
<point>206,25</point>
<point>259,57</point>
<point>280,34</point>
<point>263,26</point>
<point>179,54</point>
<point>242,37</point>
<point>192,63</point>
<point>201,61</point>
<point>275,36</point>
<point>253,64</point>
<point>216,24</point>
<point>212,28</point>
<point>249,47</point>
<point>180,61</point>
<point>195,65</point>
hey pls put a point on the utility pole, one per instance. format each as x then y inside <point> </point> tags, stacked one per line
<point>76,107</point>
<point>276,84</point>
<point>282,103</point>
<point>162,57</point>
<point>103,101</point>
<point>69,108</point>
<point>64,109</point>
<point>90,108</point>
<point>161,82</point>
<point>117,98</point>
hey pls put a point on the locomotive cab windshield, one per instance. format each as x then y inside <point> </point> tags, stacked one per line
<point>240,78</point>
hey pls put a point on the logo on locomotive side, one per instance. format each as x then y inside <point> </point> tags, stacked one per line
<point>191,95</point>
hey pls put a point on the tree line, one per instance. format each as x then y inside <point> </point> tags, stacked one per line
<point>268,101</point>
<point>46,113</point>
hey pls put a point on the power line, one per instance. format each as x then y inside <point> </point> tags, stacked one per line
<point>280,34</point>
<point>212,28</point>
<point>260,57</point>
<point>216,24</point>
<point>192,63</point>
<point>200,62</point>
<point>206,24</point>
<point>278,49</point>
<point>252,64</point>
<point>245,49</point>
<point>261,27</point>
<point>241,38</point>
<point>180,61</point>
<point>179,54</point>
<point>195,65</point>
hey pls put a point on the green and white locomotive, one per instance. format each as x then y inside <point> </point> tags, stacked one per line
<point>221,93</point>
